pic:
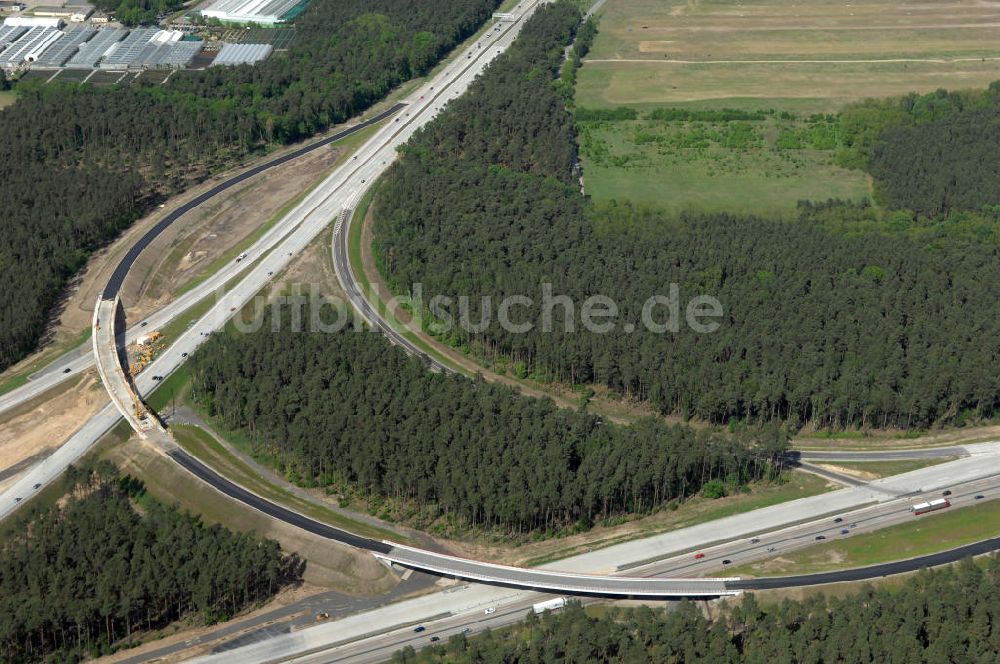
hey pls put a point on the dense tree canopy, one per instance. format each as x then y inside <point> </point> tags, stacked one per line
<point>349,407</point>
<point>87,575</point>
<point>820,328</point>
<point>935,617</point>
<point>78,164</point>
<point>136,12</point>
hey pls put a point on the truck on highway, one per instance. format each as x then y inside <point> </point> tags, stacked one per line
<point>924,508</point>
<point>549,605</point>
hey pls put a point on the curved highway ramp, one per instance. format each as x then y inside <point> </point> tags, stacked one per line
<point>461,568</point>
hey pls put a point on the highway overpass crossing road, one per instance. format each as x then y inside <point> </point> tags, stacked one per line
<point>552,581</point>
<point>340,191</point>
<point>374,635</point>
<point>82,358</point>
<point>273,252</point>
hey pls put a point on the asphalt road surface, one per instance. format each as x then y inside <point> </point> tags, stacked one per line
<point>70,364</point>
<point>271,254</point>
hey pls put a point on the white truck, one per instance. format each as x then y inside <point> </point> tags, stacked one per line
<point>549,605</point>
<point>934,505</point>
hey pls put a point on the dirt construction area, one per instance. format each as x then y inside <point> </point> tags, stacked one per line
<point>811,54</point>
<point>195,246</point>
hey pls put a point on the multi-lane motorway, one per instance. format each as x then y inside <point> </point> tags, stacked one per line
<point>271,254</point>
<point>374,635</point>
<point>69,365</point>
<point>786,526</point>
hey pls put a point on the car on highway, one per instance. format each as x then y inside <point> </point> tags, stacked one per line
<point>184,354</point>
<point>838,519</point>
<point>770,549</point>
<point>699,556</point>
<point>852,525</point>
<point>435,638</point>
<point>727,561</point>
<point>978,496</point>
<point>18,499</point>
<point>755,540</point>
<point>143,323</point>
<point>821,537</point>
<point>67,370</point>
<point>490,610</point>
<point>845,531</point>
<point>419,628</point>
<point>37,485</point>
<point>946,492</point>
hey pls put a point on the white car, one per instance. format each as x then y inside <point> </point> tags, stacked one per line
<point>490,610</point>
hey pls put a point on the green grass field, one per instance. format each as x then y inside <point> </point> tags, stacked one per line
<point>735,166</point>
<point>784,53</point>
<point>920,536</point>
<point>202,445</point>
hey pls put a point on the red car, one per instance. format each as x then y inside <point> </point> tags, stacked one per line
<point>699,556</point>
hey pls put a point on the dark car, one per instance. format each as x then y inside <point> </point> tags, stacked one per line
<point>979,496</point>
<point>821,537</point>
<point>844,531</point>
<point>726,561</point>
<point>838,519</point>
<point>419,628</point>
<point>755,540</point>
<point>946,492</point>
<point>37,485</point>
<point>184,354</point>
<point>67,370</point>
<point>435,638</point>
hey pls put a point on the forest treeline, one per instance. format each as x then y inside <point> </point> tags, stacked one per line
<point>865,331</point>
<point>926,152</point>
<point>84,577</point>
<point>349,409</point>
<point>78,163</point>
<point>136,12</point>
<point>936,617</point>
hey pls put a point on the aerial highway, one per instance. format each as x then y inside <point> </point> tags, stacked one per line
<point>373,636</point>
<point>339,191</point>
<point>69,365</point>
<point>633,569</point>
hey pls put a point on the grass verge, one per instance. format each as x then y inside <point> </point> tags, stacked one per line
<point>46,357</point>
<point>921,536</point>
<point>209,451</point>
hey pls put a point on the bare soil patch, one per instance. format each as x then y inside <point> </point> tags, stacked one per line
<point>46,424</point>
